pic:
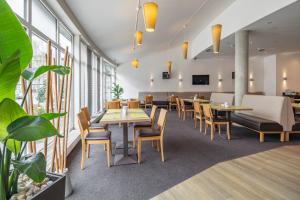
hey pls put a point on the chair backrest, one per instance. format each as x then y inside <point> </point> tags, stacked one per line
<point>148,99</point>
<point>86,112</point>
<point>113,105</point>
<point>133,104</point>
<point>161,122</point>
<point>207,111</point>
<point>178,103</point>
<point>197,107</point>
<point>152,114</point>
<point>173,99</point>
<point>83,124</point>
<point>182,104</point>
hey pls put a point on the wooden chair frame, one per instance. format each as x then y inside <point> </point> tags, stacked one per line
<point>84,131</point>
<point>178,107</point>
<point>184,110</point>
<point>209,120</point>
<point>113,105</point>
<point>172,102</point>
<point>152,117</point>
<point>148,101</point>
<point>198,114</point>
<point>133,104</point>
<point>159,139</point>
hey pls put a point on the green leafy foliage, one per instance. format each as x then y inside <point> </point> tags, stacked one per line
<point>13,37</point>
<point>9,112</point>
<point>34,167</point>
<point>117,91</point>
<point>9,75</point>
<point>31,128</point>
<point>29,75</point>
<point>50,116</point>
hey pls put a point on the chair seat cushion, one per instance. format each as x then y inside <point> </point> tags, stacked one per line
<point>148,133</point>
<point>219,119</point>
<point>98,135</point>
<point>142,125</point>
<point>256,123</point>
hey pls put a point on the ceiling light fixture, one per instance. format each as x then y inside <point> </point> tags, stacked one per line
<point>135,63</point>
<point>150,16</point>
<point>185,47</point>
<point>216,37</point>
<point>169,66</point>
<point>139,37</point>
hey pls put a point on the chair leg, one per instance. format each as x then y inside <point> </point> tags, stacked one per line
<point>228,132</point>
<point>157,146</point>
<point>219,128</point>
<point>212,132</point>
<point>287,136</point>
<point>139,151</point>
<point>88,150</point>
<point>82,154</point>
<point>282,135</point>
<point>108,153</point>
<point>261,137</point>
<point>205,128</point>
<point>184,113</point>
<point>195,122</point>
<point>200,125</point>
<point>162,151</point>
<point>133,140</point>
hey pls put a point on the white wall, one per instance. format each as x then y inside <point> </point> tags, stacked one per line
<point>270,75</point>
<point>288,65</point>
<point>138,80</point>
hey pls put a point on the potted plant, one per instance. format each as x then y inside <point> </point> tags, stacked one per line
<point>117,91</point>
<point>18,170</point>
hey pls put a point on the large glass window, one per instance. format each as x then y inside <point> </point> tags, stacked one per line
<point>65,38</point>
<point>18,6</point>
<point>43,20</point>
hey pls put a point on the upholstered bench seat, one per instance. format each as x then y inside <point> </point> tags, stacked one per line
<point>161,103</point>
<point>256,123</point>
<point>296,127</point>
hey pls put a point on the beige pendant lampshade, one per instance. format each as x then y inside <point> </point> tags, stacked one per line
<point>139,37</point>
<point>169,64</point>
<point>150,16</point>
<point>216,37</point>
<point>185,48</point>
<point>135,63</point>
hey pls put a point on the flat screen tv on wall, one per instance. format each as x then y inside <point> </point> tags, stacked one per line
<point>200,79</point>
<point>165,75</point>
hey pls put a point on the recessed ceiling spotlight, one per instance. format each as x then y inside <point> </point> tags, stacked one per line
<point>260,49</point>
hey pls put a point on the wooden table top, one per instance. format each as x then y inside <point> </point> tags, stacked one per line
<point>113,116</point>
<point>198,100</point>
<point>219,107</point>
<point>296,105</point>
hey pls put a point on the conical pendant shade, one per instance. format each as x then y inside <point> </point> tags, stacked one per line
<point>139,37</point>
<point>216,37</point>
<point>150,16</point>
<point>185,47</point>
<point>169,66</point>
<point>135,63</point>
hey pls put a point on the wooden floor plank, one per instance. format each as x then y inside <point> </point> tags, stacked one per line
<point>273,174</point>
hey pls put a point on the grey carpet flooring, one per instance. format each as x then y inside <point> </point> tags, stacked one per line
<point>187,153</point>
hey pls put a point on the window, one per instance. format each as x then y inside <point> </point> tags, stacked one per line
<point>65,38</point>
<point>108,80</point>
<point>43,20</point>
<point>17,6</point>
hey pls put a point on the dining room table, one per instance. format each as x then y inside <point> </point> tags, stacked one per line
<point>196,100</point>
<point>228,110</point>
<point>124,117</point>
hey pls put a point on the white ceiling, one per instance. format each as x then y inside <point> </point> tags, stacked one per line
<point>276,33</point>
<point>111,24</point>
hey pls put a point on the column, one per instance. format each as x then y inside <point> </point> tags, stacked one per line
<point>241,65</point>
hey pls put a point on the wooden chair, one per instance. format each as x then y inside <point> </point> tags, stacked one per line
<point>172,102</point>
<point>144,125</point>
<point>178,107</point>
<point>213,121</point>
<point>198,114</point>
<point>89,137</point>
<point>153,135</point>
<point>148,101</point>
<point>92,125</point>
<point>133,104</point>
<point>185,109</point>
<point>113,105</point>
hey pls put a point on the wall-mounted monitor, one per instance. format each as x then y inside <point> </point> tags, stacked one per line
<point>200,79</point>
<point>165,75</point>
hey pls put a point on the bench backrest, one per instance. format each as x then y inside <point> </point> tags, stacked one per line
<point>275,108</point>
<point>222,98</point>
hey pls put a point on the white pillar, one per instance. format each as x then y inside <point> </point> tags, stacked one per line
<point>241,65</point>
